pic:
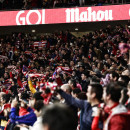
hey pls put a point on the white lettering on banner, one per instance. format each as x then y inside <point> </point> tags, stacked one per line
<point>33,11</point>
<point>22,20</point>
<point>73,15</point>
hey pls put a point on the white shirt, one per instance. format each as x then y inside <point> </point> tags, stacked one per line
<point>37,125</point>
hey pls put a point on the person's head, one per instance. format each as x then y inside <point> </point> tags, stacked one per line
<point>72,83</point>
<point>112,93</point>
<point>84,75</point>
<point>82,96</point>
<point>6,75</point>
<point>71,63</point>
<point>94,93</point>
<point>24,99</point>
<point>124,79</point>
<point>124,96</point>
<point>66,88</point>
<point>81,68</point>
<point>114,64</point>
<point>36,96</point>
<point>75,92</point>
<point>95,79</point>
<point>58,117</point>
<point>106,66</point>
<point>114,76</point>
<point>109,61</point>
<point>106,56</point>
<point>1,66</point>
<point>24,103</point>
<point>38,106</point>
<point>5,98</point>
<point>17,127</point>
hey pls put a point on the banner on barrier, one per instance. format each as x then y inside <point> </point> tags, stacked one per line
<point>65,15</point>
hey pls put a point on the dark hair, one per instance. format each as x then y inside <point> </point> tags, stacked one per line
<point>125,79</point>
<point>122,84</point>
<point>125,96</point>
<point>82,96</point>
<point>97,88</point>
<point>76,91</point>
<point>95,79</point>
<point>115,75</point>
<point>86,73</point>
<point>6,97</point>
<point>73,81</point>
<point>59,117</point>
<point>38,105</point>
<point>47,90</point>
<point>37,96</point>
<point>25,95</point>
<point>114,89</point>
<point>16,128</point>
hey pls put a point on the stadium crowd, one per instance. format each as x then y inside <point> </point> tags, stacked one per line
<point>90,74</point>
<point>34,4</point>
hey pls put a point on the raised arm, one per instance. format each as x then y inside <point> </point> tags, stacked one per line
<point>73,101</point>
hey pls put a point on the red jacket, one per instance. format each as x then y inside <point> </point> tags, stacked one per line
<point>23,111</point>
<point>117,120</point>
<point>120,122</point>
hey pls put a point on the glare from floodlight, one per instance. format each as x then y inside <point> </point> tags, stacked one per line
<point>33,31</point>
<point>76,29</point>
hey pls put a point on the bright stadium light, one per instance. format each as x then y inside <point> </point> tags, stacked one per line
<point>33,31</point>
<point>76,29</point>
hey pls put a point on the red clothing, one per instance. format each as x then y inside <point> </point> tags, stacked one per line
<point>118,119</point>
<point>117,122</point>
<point>59,81</point>
<point>47,98</point>
<point>11,75</point>
<point>120,122</point>
<point>95,123</point>
<point>23,111</point>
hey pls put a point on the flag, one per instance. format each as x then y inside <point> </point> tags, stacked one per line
<point>124,47</point>
<point>34,56</point>
<point>62,70</point>
<point>11,67</point>
<point>24,83</point>
<point>28,52</point>
<point>36,44</point>
<point>32,89</point>
<point>51,85</point>
<point>106,80</point>
<point>7,83</point>
<point>36,75</point>
<point>46,97</point>
<point>66,70</point>
<point>54,75</point>
<point>3,57</point>
<point>40,44</point>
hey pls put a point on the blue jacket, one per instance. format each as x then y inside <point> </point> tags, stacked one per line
<point>86,110</point>
<point>28,119</point>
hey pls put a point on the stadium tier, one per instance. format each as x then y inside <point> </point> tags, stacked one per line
<point>64,68</point>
